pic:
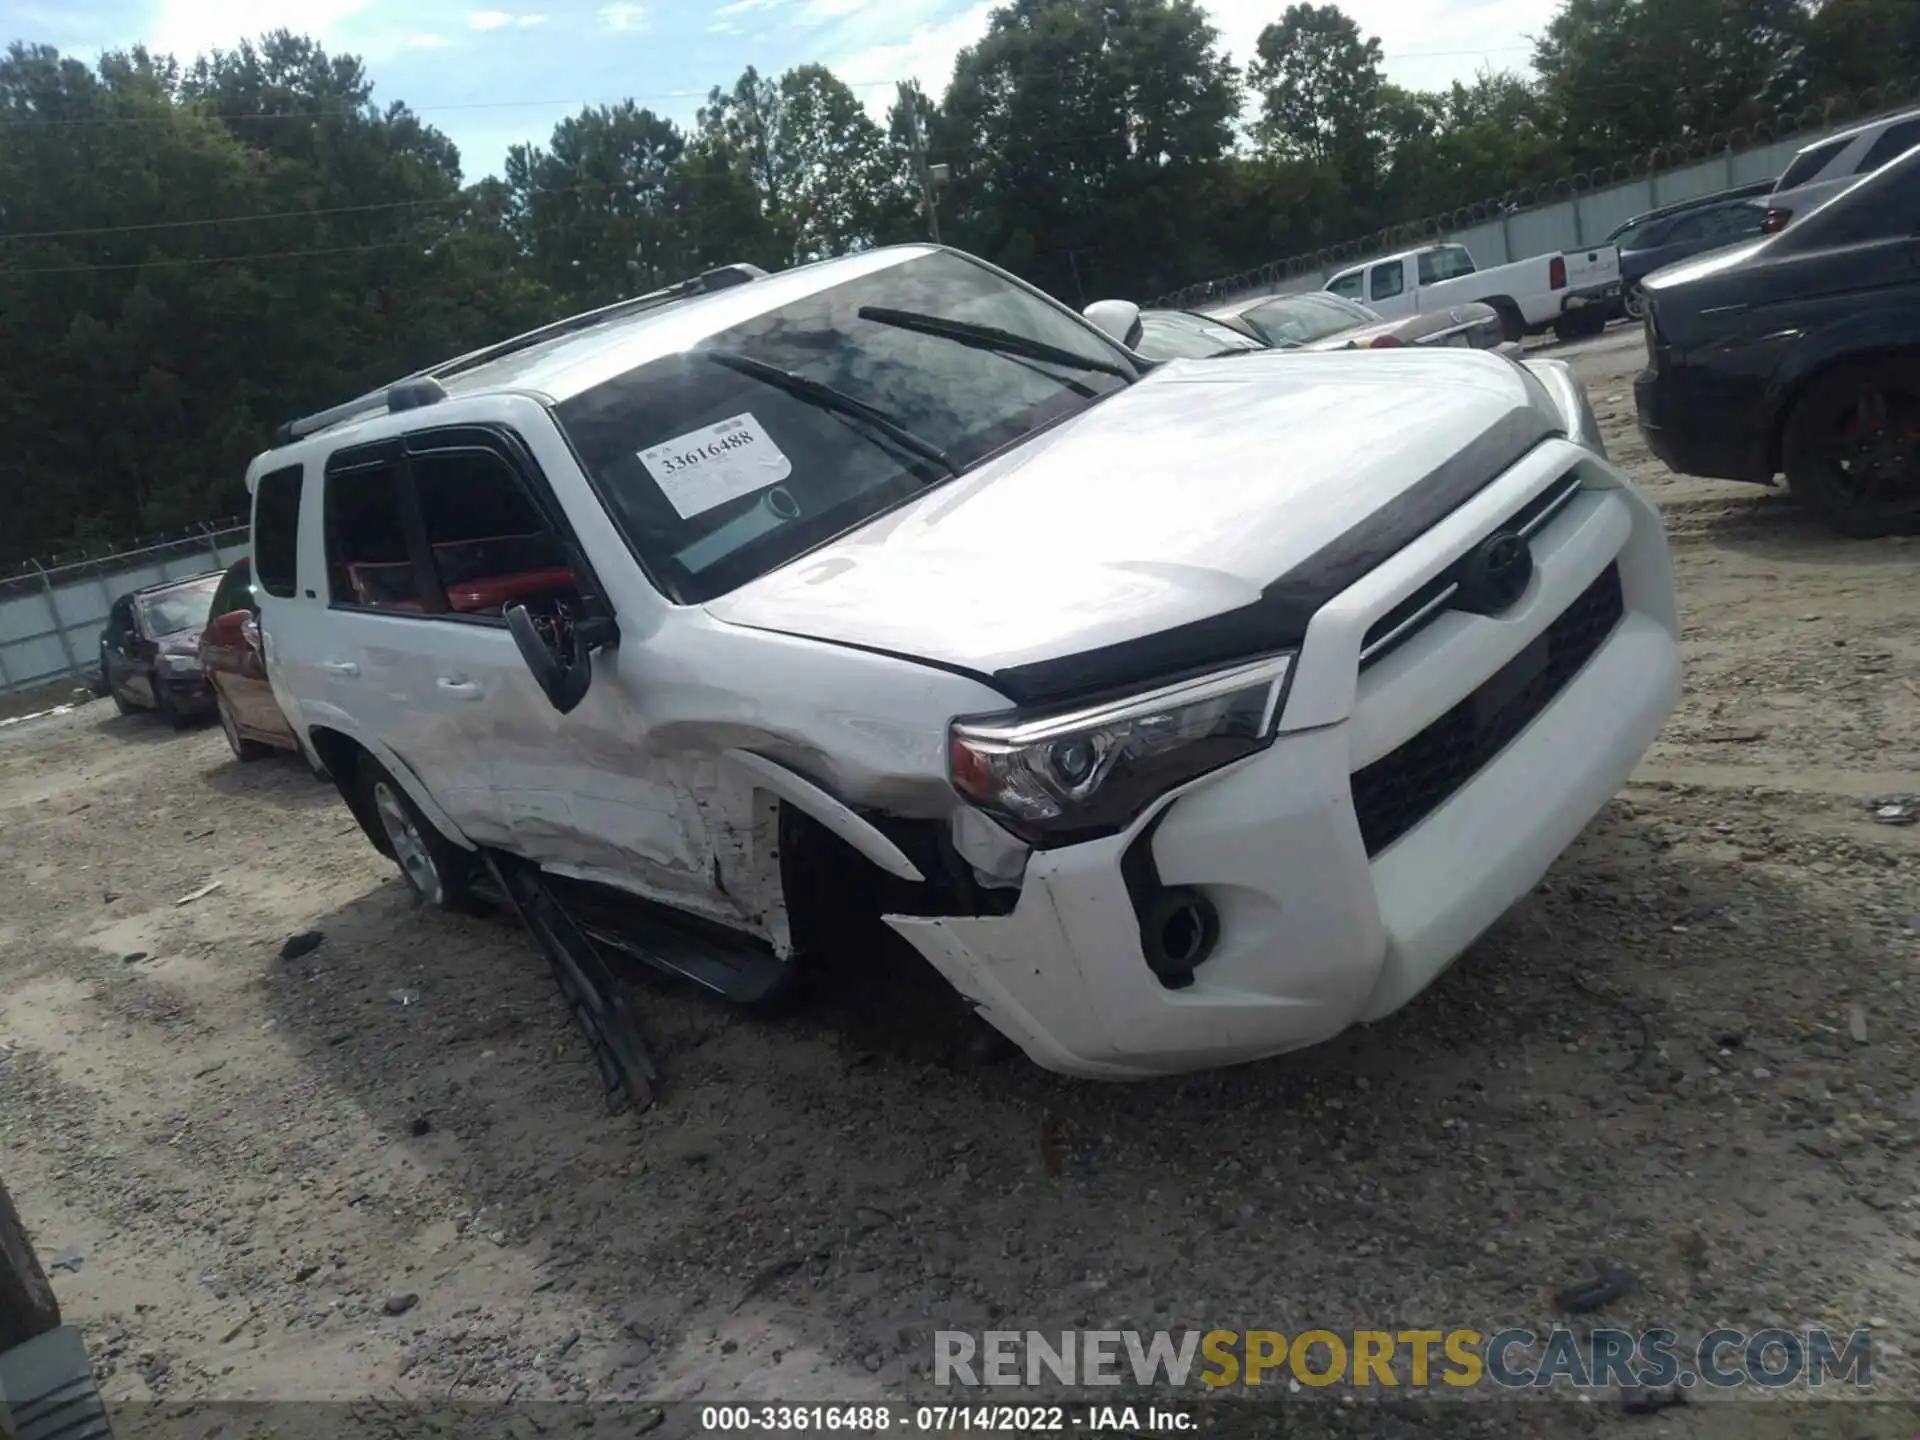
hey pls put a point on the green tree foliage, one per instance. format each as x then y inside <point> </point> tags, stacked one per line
<point>1085,135</point>
<point>190,254</point>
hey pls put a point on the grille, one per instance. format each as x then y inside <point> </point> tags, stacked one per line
<point>1400,789</point>
<point>1419,609</point>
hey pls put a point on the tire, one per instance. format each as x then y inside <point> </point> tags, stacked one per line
<point>120,702</point>
<point>27,1304</point>
<point>1635,300</point>
<point>1513,325</point>
<point>163,702</point>
<point>244,750</point>
<point>1864,417</point>
<point>438,872</point>
<point>1581,324</point>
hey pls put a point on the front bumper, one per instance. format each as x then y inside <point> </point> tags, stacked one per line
<point>1700,435</point>
<point>1315,934</point>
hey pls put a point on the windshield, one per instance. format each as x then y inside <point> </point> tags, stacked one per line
<point>1177,335</point>
<point>1303,319</point>
<point>717,471</point>
<point>187,607</point>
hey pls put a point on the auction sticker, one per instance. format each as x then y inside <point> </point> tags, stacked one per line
<point>716,463</point>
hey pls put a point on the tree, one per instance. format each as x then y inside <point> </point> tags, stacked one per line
<point>1856,45</point>
<point>596,212</point>
<point>1626,76</point>
<point>1086,136</point>
<point>845,186</point>
<point>1320,90</point>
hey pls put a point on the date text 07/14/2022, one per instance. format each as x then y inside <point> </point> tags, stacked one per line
<point>949,1419</point>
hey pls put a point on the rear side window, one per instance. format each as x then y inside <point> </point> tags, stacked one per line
<point>491,546</point>
<point>1449,262</point>
<point>368,562</point>
<point>1810,162</point>
<point>1895,141</point>
<point>276,530</point>
<point>1389,279</point>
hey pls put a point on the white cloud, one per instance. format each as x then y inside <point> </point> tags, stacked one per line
<point>925,54</point>
<point>821,10</point>
<point>426,42</point>
<point>186,28</point>
<point>740,7</point>
<point>501,19</point>
<point>623,16</point>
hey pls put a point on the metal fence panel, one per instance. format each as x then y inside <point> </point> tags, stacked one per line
<point>1577,222</point>
<point>50,619</point>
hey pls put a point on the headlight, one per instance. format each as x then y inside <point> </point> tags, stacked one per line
<point>1067,776</point>
<point>177,662</point>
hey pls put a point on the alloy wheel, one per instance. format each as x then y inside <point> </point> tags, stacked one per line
<point>409,845</point>
<point>1873,454</point>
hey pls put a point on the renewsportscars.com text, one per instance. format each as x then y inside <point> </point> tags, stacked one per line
<point>1451,1359</point>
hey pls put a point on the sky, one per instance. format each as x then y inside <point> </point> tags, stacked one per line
<point>491,78</point>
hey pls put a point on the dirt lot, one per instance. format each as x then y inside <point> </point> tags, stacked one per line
<point>1653,1062</point>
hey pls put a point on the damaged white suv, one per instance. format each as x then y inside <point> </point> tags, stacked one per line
<point>1179,714</point>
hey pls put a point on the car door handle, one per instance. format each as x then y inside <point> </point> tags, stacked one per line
<point>340,667</point>
<point>459,689</point>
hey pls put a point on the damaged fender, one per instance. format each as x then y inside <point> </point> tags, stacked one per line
<point>331,717</point>
<point>831,813</point>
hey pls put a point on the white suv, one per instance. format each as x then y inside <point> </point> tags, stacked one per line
<point>1178,714</point>
<point>1823,169</point>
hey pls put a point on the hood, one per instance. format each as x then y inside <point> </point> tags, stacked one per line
<point>179,642</point>
<point>1202,513</point>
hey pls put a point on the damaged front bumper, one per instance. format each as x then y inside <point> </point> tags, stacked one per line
<point>1314,932</point>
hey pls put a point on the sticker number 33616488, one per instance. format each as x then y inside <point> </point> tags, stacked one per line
<point>716,463</point>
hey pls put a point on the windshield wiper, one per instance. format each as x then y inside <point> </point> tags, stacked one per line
<point>991,337</point>
<point>825,397</point>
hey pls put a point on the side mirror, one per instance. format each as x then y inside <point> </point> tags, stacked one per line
<point>1119,318</point>
<point>563,678</point>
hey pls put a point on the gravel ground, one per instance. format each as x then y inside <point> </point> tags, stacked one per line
<point>281,1182</point>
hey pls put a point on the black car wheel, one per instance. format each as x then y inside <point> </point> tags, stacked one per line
<point>120,702</point>
<point>1635,299</point>
<point>27,1304</point>
<point>1851,448</point>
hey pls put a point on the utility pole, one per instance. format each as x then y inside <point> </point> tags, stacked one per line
<point>931,178</point>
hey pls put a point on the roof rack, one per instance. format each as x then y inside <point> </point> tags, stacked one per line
<point>423,387</point>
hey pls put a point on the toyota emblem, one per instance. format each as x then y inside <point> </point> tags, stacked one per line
<point>1495,573</point>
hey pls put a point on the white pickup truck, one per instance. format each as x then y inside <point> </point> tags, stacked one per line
<point>1569,294</point>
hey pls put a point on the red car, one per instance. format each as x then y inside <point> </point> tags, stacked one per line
<point>235,664</point>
